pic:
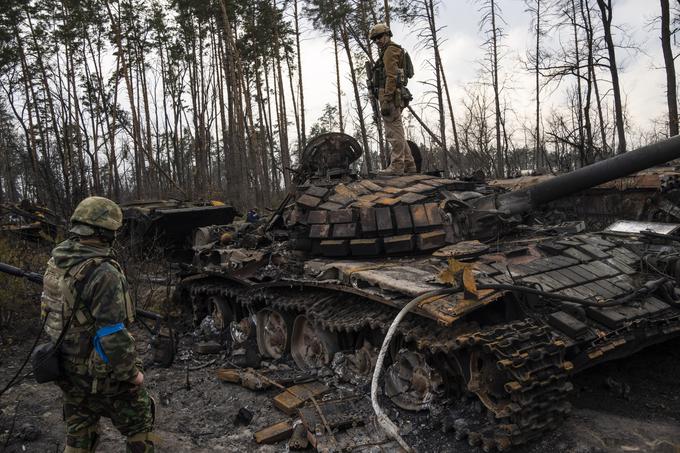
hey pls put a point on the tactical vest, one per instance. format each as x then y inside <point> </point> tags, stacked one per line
<point>61,288</point>
<point>404,73</point>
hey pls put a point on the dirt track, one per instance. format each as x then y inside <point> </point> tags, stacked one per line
<point>629,405</point>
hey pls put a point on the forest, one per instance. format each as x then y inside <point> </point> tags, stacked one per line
<point>188,99</point>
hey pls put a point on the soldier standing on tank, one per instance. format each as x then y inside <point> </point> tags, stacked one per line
<point>102,374</point>
<point>388,78</point>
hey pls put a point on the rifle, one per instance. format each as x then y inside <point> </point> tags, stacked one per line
<point>163,340</point>
<point>372,91</point>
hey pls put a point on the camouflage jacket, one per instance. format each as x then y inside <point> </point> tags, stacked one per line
<point>102,300</point>
<point>390,64</point>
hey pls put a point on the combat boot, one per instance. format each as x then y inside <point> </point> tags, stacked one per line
<point>392,170</point>
<point>141,443</point>
<point>84,440</point>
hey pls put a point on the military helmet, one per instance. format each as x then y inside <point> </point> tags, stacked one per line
<point>378,30</point>
<point>97,212</point>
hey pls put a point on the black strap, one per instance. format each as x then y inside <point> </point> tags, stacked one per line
<point>78,286</point>
<point>64,330</point>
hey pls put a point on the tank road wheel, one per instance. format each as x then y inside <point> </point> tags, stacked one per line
<point>410,382</point>
<point>273,332</point>
<point>242,330</point>
<point>311,346</point>
<point>221,313</point>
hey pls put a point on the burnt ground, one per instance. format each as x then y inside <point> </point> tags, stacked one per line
<point>629,405</point>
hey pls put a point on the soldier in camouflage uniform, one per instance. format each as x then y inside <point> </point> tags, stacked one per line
<point>388,75</point>
<point>102,373</point>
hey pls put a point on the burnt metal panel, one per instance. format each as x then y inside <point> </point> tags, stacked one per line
<point>383,220</point>
<point>419,216</point>
<point>334,248</point>
<point>308,201</point>
<point>344,230</point>
<point>567,324</point>
<point>341,216</point>
<point>365,247</point>
<point>399,244</point>
<point>321,231</point>
<point>317,217</point>
<point>315,191</point>
<point>434,217</point>
<point>431,240</point>
<point>402,217</point>
<point>367,219</point>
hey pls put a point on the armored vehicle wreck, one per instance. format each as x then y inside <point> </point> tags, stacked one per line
<point>168,224</point>
<point>511,310</point>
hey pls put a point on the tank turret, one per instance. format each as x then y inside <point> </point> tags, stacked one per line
<point>338,214</point>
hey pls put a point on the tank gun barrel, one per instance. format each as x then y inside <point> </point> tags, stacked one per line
<point>590,176</point>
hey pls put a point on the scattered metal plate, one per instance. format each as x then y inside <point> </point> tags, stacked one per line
<point>631,226</point>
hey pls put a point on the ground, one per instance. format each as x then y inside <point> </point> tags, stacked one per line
<point>628,405</point>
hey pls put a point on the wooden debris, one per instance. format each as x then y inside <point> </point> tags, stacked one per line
<point>255,380</point>
<point>274,433</point>
<point>296,396</point>
<point>246,378</point>
<point>230,375</point>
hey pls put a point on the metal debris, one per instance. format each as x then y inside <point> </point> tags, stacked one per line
<point>243,417</point>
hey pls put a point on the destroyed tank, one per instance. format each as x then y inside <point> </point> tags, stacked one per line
<point>514,309</point>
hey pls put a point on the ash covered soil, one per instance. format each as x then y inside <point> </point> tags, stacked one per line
<point>627,405</point>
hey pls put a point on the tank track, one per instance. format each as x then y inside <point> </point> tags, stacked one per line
<point>339,312</point>
<point>536,385</point>
<point>527,358</point>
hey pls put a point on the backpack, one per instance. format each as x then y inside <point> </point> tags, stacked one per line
<point>407,64</point>
<point>408,67</point>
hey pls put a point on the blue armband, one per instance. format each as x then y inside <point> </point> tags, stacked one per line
<point>103,332</point>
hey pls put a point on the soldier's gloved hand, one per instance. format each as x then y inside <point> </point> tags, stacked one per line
<point>386,109</point>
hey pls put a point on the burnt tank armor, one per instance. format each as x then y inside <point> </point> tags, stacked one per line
<point>335,263</point>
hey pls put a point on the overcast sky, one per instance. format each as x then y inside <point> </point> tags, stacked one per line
<point>642,76</point>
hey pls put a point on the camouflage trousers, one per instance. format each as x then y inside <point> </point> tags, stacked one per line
<point>400,153</point>
<point>130,409</point>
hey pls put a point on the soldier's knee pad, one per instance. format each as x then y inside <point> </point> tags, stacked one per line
<point>141,443</point>
<point>83,441</point>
